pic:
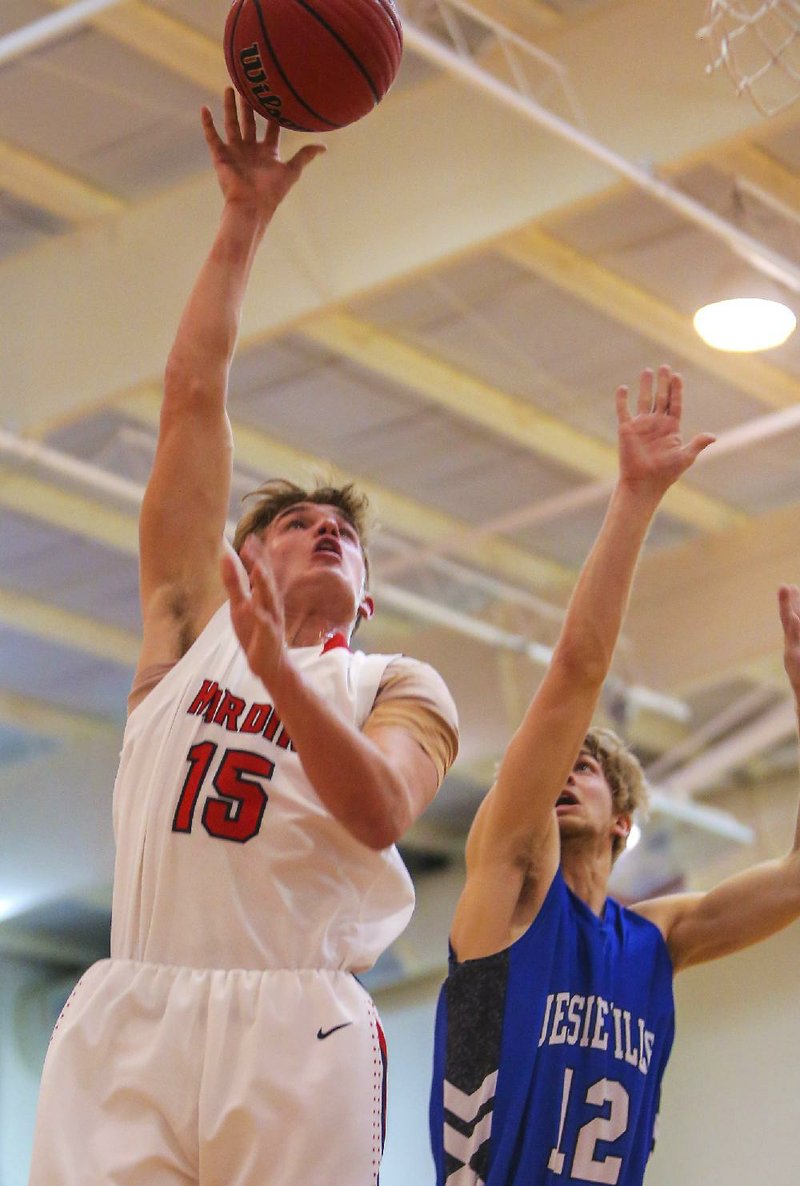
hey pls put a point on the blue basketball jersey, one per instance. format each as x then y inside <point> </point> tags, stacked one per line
<point>549,1055</point>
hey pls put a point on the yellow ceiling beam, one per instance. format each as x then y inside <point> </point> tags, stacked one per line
<point>408,518</point>
<point>494,410</point>
<point>41,184</point>
<point>644,314</point>
<point>756,165</point>
<point>48,720</point>
<point>519,15</point>
<point>67,629</point>
<point>70,512</point>
<point>172,44</point>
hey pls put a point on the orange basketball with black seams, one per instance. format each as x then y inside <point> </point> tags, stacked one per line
<point>313,65</point>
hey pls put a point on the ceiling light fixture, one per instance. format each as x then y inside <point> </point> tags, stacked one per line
<point>749,312</point>
<point>745,324</point>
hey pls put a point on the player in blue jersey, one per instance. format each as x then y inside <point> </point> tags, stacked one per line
<point>556,1021</point>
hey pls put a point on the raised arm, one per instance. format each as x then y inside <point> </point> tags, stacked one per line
<point>375,782</point>
<point>756,903</point>
<point>186,502</point>
<point>513,847</point>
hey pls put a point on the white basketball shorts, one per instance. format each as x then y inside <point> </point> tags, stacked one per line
<point>165,1076</point>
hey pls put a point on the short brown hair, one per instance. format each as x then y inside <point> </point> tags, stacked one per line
<point>278,494</point>
<point>622,771</point>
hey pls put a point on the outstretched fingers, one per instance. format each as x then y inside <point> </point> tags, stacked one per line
<point>247,120</point>
<point>675,396</point>
<point>661,399</point>
<point>696,446</point>
<point>645,392</point>
<point>232,129</point>
<point>304,156</point>
<point>264,592</point>
<point>272,136</point>
<point>213,139</point>
<point>234,579</point>
<point>623,411</point>
<point>262,582</point>
<point>789,609</point>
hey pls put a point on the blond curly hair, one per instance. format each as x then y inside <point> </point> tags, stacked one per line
<point>623,773</point>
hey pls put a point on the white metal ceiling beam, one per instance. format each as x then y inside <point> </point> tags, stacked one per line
<point>701,815</point>
<point>437,49</point>
<point>732,716</point>
<point>41,32</point>
<point>771,727</point>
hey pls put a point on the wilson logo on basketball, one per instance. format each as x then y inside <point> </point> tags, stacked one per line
<point>257,83</point>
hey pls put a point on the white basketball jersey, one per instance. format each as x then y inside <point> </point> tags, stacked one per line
<point>226,858</point>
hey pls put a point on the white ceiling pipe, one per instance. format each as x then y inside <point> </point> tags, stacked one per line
<point>29,452</point>
<point>442,615</point>
<point>699,815</point>
<point>729,718</point>
<point>407,556</point>
<point>752,432</point>
<point>577,499</point>
<point>49,28</point>
<point>777,724</point>
<point>470,72</point>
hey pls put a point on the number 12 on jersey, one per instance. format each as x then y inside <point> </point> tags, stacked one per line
<point>585,1166</point>
<point>237,813</point>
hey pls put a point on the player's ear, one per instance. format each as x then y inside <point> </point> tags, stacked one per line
<point>622,825</point>
<point>366,608</point>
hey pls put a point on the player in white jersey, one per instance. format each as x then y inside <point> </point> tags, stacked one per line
<point>265,774</point>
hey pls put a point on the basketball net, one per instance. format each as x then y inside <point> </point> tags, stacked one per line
<point>758,43</point>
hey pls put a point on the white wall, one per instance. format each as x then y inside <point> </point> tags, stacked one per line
<point>23,1043</point>
<point>408,1016</point>
<point>731,1101</point>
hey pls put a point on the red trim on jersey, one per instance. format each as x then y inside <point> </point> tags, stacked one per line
<point>384,1087</point>
<point>335,640</point>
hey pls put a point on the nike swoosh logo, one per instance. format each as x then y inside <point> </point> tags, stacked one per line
<point>327,1033</point>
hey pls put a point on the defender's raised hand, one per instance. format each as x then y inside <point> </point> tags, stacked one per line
<point>652,454</point>
<point>249,170</point>
<point>789,609</point>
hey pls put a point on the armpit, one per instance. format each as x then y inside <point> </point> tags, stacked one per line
<point>144,682</point>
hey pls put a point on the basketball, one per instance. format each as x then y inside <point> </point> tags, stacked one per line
<point>313,65</point>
